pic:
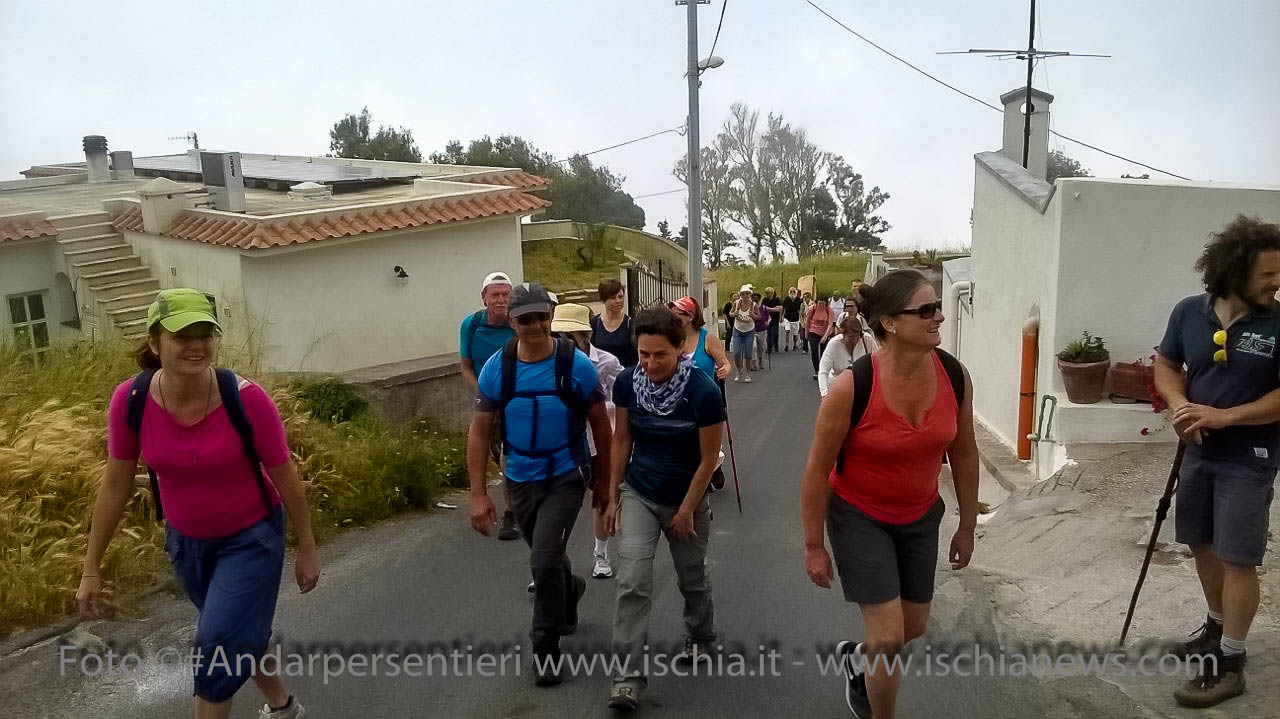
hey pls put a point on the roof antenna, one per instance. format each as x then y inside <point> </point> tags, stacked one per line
<point>1031,54</point>
<point>191,137</point>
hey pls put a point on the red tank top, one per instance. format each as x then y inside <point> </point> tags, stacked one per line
<point>891,468</point>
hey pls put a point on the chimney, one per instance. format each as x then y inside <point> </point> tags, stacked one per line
<point>1015,127</point>
<point>95,155</point>
<point>221,172</point>
<point>122,165</point>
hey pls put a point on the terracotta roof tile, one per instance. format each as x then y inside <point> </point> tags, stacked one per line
<point>129,220</point>
<point>518,179</point>
<point>250,233</point>
<point>24,229</point>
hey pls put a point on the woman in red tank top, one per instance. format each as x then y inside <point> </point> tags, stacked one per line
<point>881,507</point>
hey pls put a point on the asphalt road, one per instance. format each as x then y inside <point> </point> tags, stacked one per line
<point>426,582</point>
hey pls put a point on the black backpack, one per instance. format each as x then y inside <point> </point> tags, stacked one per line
<point>563,391</point>
<point>477,319</point>
<point>864,375</point>
<point>229,390</point>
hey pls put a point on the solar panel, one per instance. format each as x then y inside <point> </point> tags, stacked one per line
<point>285,169</point>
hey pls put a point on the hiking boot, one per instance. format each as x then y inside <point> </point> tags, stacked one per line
<point>1205,640</point>
<point>624,698</point>
<point>546,669</point>
<point>695,650</point>
<point>531,586</point>
<point>601,570</point>
<point>509,530</point>
<point>1214,686</point>
<point>575,592</point>
<point>855,681</point>
<point>291,710</point>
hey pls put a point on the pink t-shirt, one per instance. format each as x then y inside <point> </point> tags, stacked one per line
<point>207,486</point>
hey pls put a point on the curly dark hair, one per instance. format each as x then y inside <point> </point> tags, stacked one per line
<point>1227,262</point>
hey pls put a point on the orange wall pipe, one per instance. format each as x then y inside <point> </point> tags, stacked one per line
<point>1027,385</point>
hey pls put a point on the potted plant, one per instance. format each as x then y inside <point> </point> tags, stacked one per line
<point>1133,381</point>
<point>1084,364</point>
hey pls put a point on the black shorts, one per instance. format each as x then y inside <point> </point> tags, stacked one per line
<point>1226,506</point>
<point>878,561</point>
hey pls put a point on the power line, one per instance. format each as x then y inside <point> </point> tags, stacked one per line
<point>656,194</point>
<point>718,26</point>
<point>623,144</point>
<point>984,103</point>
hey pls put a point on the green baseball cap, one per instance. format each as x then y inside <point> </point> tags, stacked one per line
<point>179,308</point>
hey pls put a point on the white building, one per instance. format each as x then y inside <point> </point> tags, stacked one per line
<point>315,264</point>
<point>1110,256</point>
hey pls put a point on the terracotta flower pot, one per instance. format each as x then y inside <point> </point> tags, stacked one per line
<point>1084,382</point>
<point>1132,380</point>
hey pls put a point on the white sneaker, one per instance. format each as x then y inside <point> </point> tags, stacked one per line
<point>747,378</point>
<point>531,587</point>
<point>602,570</point>
<point>292,710</point>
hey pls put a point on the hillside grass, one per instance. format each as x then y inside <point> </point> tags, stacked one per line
<point>835,273</point>
<point>555,264</point>
<point>355,468</point>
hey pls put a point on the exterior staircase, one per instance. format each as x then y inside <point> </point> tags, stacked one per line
<point>113,287</point>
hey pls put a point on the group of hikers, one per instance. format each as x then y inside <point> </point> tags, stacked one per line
<point>631,411</point>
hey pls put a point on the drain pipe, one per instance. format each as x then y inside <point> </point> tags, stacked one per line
<point>956,291</point>
<point>1027,384</point>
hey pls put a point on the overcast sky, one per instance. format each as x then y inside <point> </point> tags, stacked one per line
<point>1192,87</point>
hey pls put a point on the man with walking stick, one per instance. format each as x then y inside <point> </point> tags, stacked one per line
<point>1227,411</point>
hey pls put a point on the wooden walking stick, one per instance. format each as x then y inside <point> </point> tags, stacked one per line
<point>1162,510</point>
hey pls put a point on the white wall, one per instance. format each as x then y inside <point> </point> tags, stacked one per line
<point>28,266</point>
<point>1014,262</point>
<point>209,268</point>
<point>333,306</point>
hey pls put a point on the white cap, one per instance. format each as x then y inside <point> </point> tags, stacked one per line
<point>495,278</point>
<point>746,288</point>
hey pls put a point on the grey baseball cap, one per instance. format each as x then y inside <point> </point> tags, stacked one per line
<point>530,297</point>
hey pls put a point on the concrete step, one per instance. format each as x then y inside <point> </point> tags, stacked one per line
<point>94,228</point>
<point>132,328</point>
<point>128,314</point>
<point>118,300</point>
<point>112,289</point>
<point>109,277</point>
<point>82,218</point>
<point>88,241</point>
<point>97,253</point>
<point>93,266</point>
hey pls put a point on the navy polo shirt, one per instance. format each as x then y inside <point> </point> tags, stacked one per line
<point>1251,371</point>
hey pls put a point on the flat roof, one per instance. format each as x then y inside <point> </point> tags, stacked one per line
<point>291,169</point>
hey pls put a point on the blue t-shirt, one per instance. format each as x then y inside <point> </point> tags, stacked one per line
<point>551,428</point>
<point>1252,370</point>
<point>487,342</point>
<point>666,450</point>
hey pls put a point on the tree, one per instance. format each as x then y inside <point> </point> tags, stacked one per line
<point>717,197</point>
<point>1062,166</point>
<point>682,238</point>
<point>349,137</point>
<point>580,191</point>
<point>862,227</point>
<point>664,229</point>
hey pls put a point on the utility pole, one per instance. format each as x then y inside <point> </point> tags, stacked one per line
<point>694,158</point>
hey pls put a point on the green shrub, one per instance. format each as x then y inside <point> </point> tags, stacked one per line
<point>1085,350</point>
<point>331,400</point>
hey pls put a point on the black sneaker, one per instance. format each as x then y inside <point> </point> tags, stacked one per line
<point>1207,639</point>
<point>624,699</point>
<point>855,681</point>
<point>575,592</point>
<point>509,530</point>
<point>717,478</point>
<point>1215,684</point>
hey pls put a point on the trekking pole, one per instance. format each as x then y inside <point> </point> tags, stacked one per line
<point>1162,510</point>
<point>733,462</point>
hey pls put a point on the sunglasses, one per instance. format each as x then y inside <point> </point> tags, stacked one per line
<point>924,312</point>
<point>1220,341</point>
<point>533,318</point>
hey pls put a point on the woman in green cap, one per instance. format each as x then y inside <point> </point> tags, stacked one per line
<point>221,473</point>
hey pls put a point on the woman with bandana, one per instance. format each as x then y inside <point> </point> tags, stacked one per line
<point>667,442</point>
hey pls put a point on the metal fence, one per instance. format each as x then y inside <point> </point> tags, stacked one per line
<point>652,286</point>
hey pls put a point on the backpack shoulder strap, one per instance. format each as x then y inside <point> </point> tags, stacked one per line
<point>229,391</point>
<point>133,417</point>
<point>863,377</point>
<point>473,326</point>
<point>565,352</point>
<point>138,399</point>
<point>508,373</point>
<point>955,372</point>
